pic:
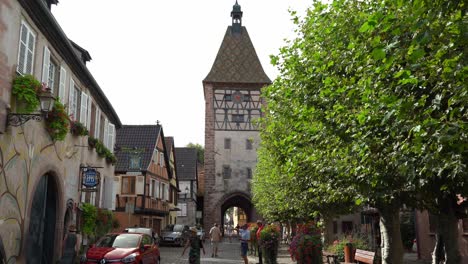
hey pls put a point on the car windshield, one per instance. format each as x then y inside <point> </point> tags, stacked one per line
<point>178,228</point>
<point>139,230</point>
<point>119,241</point>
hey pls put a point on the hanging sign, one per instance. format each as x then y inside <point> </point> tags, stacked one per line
<point>90,178</point>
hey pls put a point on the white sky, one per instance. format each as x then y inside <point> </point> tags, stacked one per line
<point>150,56</point>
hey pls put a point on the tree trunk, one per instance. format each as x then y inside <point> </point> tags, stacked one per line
<point>392,246</point>
<point>446,246</point>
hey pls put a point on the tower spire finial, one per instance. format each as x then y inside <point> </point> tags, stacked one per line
<point>236,15</point>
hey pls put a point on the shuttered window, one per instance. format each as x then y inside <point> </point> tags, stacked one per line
<point>72,102</point>
<point>88,114</point>
<point>97,128</point>
<point>45,66</point>
<point>84,109</point>
<point>62,84</point>
<point>26,49</point>
<point>110,138</point>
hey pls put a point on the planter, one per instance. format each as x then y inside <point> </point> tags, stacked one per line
<point>270,255</point>
<point>349,253</point>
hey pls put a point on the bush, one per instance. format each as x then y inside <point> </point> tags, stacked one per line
<point>306,245</point>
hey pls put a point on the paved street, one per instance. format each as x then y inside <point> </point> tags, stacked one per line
<point>228,253</point>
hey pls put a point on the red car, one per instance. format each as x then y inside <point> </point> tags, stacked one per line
<point>123,248</point>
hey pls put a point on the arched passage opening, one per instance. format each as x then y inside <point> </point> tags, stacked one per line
<point>40,241</point>
<point>235,210</point>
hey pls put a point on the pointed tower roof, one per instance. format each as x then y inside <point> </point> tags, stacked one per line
<point>237,61</point>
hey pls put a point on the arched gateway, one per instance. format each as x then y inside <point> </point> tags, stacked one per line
<point>232,97</point>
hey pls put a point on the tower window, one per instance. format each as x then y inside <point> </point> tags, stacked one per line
<point>248,143</point>
<point>227,143</point>
<point>226,171</point>
<point>238,118</point>
<point>249,173</point>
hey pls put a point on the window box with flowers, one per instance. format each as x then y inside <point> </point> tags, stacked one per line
<point>57,122</point>
<point>25,90</point>
<point>92,141</point>
<point>78,129</point>
<point>269,242</point>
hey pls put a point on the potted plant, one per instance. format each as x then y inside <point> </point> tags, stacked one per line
<point>269,241</point>
<point>344,243</point>
<point>92,141</point>
<point>306,245</point>
<point>25,89</point>
<point>78,129</point>
<point>57,122</point>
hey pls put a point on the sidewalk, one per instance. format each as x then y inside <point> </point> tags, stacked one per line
<point>283,256</point>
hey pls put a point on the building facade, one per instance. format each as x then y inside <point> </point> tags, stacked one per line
<point>233,101</point>
<point>187,167</point>
<point>174,181</point>
<point>41,190</point>
<point>142,181</point>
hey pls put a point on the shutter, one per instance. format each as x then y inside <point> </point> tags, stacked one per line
<point>111,131</point>
<point>45,66</point>
<point>97,127</point>
<point>157,190</point>
<point>22,49</point>
<point>117,185</point>
<point>62,84</point>
<point>30,52</point>
<point>140,184</point>
<point>166,192</point>
<point>109,193</point>
<point>88,115</point>
<point>71,99</point>
<point>84,108</point>
<point>106,124</point>
<point>151,188</point>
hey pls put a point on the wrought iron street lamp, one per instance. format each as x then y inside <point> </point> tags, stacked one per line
<point>47,103</point>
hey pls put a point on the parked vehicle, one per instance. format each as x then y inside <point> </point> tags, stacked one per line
<point>175,235</point>
<point>144,230</point>
<point>123,248</point>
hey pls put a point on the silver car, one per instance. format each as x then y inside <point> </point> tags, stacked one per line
<point>174,235</point>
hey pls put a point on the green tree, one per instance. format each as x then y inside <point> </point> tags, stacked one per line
<point>370,104</point>
<point>200,151</point>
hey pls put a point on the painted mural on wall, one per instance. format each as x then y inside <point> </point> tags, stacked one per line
<point>22,155</point>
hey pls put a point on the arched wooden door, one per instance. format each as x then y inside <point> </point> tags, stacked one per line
<point>40,240</point>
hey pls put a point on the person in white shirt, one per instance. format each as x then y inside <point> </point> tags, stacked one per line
<point>215,235</point>
<point>244,237</point>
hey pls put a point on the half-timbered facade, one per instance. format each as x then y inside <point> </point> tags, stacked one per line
<point>142,177</point>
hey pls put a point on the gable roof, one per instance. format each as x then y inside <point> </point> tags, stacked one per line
<point>186,163</point>
<point>237,61</point>
<point>136,138</point>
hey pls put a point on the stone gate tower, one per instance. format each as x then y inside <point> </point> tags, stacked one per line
<point>232,98</point>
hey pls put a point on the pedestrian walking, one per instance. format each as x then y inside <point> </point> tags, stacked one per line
<point>244,237</point>
<point>259,242</point>
<point>71,246</point>
<point>215,236</point>
<point>195,244</point>
<point>229,232</point>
